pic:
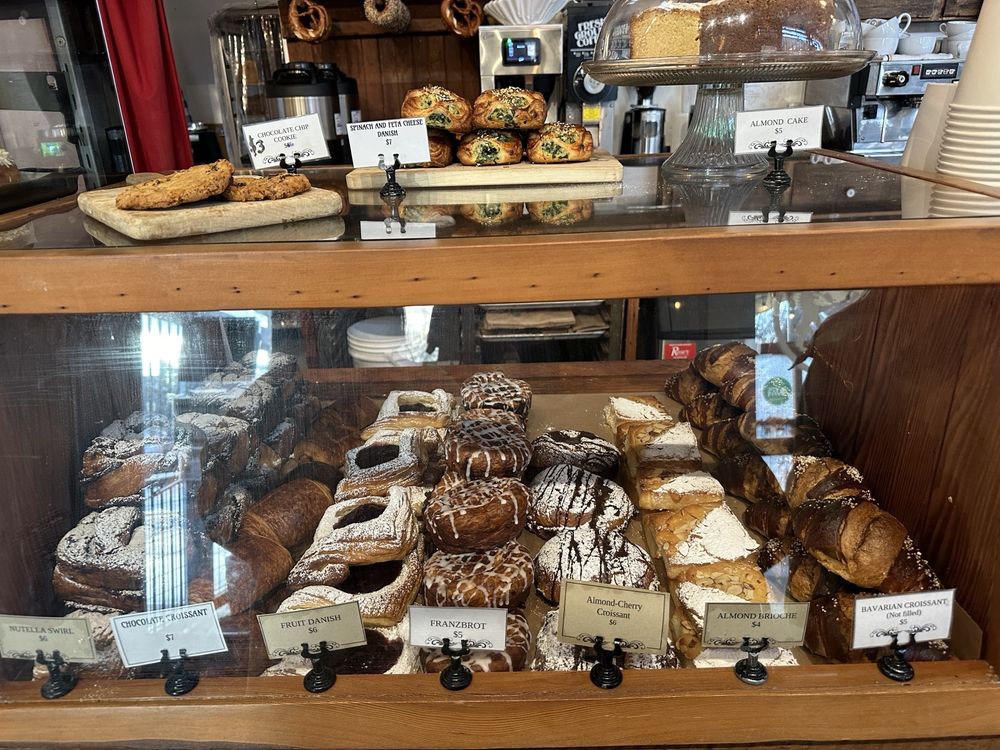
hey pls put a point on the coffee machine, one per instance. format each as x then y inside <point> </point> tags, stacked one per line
<point>872,111</point>
<point>530,57</point>
<point>588,101</point>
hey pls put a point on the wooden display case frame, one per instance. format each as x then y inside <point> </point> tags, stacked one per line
<point>949,705</point>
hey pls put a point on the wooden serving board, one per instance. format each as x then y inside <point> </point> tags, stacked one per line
<point>602,167</point>
<point>207,217</point>
<point>466,196</point>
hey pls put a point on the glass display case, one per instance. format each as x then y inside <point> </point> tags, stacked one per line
<point>277,419</point>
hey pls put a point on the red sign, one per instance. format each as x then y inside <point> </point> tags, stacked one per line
<point>671,350</point>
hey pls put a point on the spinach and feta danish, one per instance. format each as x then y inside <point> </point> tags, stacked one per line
<point>561,213</point>
<point>492,214</point>
<point>487,147</point>
<point>442,108</point>
<point>558,141</point>
<point>511,107</point>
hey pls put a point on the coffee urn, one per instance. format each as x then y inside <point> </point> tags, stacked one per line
<point>300,88</point>
<point>642,131</point>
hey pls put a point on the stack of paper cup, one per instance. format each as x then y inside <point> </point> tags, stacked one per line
<point>970,147</point>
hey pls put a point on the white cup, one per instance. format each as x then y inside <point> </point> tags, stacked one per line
<point>918,43</point>
<point>881,45</point>
<point>957,28</point>
<point>958,49</point>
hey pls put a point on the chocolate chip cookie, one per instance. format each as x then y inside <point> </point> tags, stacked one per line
<point>271,188</point>
<point>186,186</point>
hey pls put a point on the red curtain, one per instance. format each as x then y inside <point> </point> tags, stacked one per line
<point>146,80</point>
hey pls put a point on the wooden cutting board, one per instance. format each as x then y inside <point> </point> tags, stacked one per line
<point>207,217</point>
<point>508,194</point>
<point>602,167</point>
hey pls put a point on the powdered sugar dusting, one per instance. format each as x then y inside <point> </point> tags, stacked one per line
<point>718,536</point>
<point>694,598</point>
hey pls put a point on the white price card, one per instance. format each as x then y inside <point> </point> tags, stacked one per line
<point>339,625</point>
<point>726,625</point>
<point>393,230</point>
<point>379,139</point>
<point>482,628</point>
<point>22,637</point>
<point>755,131</point>
<point>747,218</point>
<point>638,617</point>
<point>923,616</point>
<point>142,636</point>
<point>292,137</point>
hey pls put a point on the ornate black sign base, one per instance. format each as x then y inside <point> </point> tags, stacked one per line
<point>750,670</point>
<point>391,189</point>
<point>179,679</point>
<point>456,676</point>
<point>606,673</point>
<point>894,665</point>
<point>321,677</point>
<point>59,683</point>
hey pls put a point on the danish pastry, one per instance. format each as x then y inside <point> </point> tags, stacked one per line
<point>561,213</point>
<point>490,147</point>
<point>386,460</point>
<point>509,108</point>
<point>443,109</point>
<point>441,145</point>
<point>402,409</point>
<point>492,214</point>
<point>559,142</point>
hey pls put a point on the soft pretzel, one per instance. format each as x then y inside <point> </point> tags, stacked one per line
<point>463,17</point>
<point>309,21</point>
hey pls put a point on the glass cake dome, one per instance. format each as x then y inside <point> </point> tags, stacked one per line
<point>722,44</point>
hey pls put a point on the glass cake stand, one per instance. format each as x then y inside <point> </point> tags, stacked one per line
<point>708,149</point>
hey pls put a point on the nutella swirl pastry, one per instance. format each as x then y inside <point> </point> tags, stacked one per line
<point>585,450</point>
<point>480,449</point>
<point>511,659</point>
<point>552,655</point>
<point>561,213</point>
<point>495,415</point>
<point>383,591</point>
<point>477,515</point>
<point>494,390</point>
<point>402,409</point>
<point>498,578</point>
<point>106,549</point>
<point>586,554</point>
<point>509,107</point>
<point>387,460</point>
<point>386,652</point>
<point>492,214</point>
<point>356,532</point>
<point>559,142</point>
<point>565,497</point>
<point>441,108</point>
<point>483,148</point>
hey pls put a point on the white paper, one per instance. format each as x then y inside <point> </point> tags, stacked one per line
<point>142,635</point>
<point>926,616</point>
<point>482,628</point>
<point>755,130</point>
<point>268,141</point>
<point>746,218</point>
<point>384,139</point>
<point>339,626</point>
<point>726,625</point>
<point>392,230</point>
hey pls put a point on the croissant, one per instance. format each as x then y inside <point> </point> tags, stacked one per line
<point>769,518</point>
<point>741,391</point>
<point>854,538</point>
<point>685,386</point>
<point>706,409</point>
<point>723,362</point>
<point>800,437</point>
<point>822,478</point>
<point>747,476</point>
<point>791,569</point>
<point>723,439</point>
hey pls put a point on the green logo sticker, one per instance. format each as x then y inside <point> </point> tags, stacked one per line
<point>777,391</point>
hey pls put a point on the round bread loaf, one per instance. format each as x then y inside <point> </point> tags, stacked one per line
<point>482,449</point>
<point>477,515</point>
<point>498,578</point>
<point>565,497</point>
<point>585,450</point>
<point>584,554</point>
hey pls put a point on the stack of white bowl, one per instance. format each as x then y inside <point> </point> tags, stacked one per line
<point>379,342</point>
<point>970,147</point>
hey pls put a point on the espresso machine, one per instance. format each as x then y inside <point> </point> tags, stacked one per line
<point>872,111</point>
<point>529,57</point>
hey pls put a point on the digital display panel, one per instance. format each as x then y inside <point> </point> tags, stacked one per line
<point>521,51</point>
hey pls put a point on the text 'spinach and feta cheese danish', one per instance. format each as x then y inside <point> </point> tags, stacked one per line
<point>443,109</point>
<point>509,108</point>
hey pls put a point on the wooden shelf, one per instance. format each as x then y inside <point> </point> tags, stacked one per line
<point>521,268</point>
<point>519,710</point>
